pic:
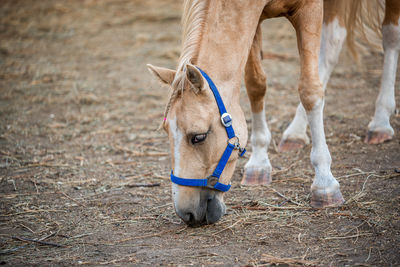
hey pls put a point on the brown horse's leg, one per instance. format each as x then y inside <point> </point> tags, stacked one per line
<point>307,21</point>
<point>379,129</point>
<point>258,169</point>
<point>332,38</point>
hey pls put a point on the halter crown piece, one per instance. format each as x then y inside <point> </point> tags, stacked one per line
<point>212,181</point>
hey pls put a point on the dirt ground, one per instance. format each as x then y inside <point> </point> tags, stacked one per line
<point>78,120</point>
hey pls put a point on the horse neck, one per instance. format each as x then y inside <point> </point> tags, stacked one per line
<point>227,37</point>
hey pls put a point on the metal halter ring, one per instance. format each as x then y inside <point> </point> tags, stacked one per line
<point>236,144</point>
<point>211,181</point>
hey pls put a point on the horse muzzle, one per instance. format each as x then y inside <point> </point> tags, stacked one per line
<point>207,210</point>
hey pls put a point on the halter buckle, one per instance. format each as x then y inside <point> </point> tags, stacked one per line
<point>236,143</point>
<point>226,119</point>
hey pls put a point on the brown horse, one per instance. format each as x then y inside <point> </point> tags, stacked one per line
<point>223,38</point>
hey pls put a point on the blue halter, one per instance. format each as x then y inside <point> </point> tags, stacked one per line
<point>212,181</point>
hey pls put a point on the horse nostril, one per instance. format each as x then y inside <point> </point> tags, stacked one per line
<point>192,221</point>
<point>187,217</point>
<point>191,218</point>
<point>215,210</point>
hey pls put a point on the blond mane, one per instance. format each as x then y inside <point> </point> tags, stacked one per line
<point>193,18</point>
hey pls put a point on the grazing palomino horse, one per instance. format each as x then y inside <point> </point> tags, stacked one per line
<point>203,118</point>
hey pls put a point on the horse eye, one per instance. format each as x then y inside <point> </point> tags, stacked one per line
<point>198,138</point>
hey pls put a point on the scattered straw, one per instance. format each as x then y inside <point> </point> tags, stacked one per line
<point>127,259</point>
<point>229,227</point>
<point>74,200</point>
<point>267,259</point>
<point>288,199</point>
<point>347,237</point>
<point>30,211</point>
<point>359,194</point>
<point>271,208</point>
<point>37,241</point>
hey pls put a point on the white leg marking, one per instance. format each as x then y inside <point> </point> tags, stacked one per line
<point>385,103</point>
<point>177,139</point>
<point>320,156</point>
<point>332,39</point>
<point>260,139</point>
<point>297,128</point>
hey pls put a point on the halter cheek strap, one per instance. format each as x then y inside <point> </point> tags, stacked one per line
<point>212,181</point>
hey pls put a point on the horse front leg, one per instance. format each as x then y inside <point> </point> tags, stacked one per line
<point>307,20</point>
<point>258,169</point>
<point>379,129</point>
<point>332,38</point>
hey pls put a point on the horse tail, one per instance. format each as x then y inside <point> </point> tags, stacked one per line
<point>363,19</point>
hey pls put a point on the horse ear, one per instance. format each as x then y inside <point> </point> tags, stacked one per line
<point>195,78</point>
<point>164,75</point>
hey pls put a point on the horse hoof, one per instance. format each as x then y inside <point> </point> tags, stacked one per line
<point>287,145</point>
<point>322,199</point>
<point>374,138</point>
<point>256,176</point>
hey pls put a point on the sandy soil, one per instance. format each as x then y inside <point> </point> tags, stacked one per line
<point>78,120</point>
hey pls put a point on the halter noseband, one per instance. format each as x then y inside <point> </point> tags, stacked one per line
<point>212,181</point>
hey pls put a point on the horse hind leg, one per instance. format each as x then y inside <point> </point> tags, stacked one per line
<point>379,129</point>
<point>325,190</point>
<point>257,170</point>
<point>333,36</point>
